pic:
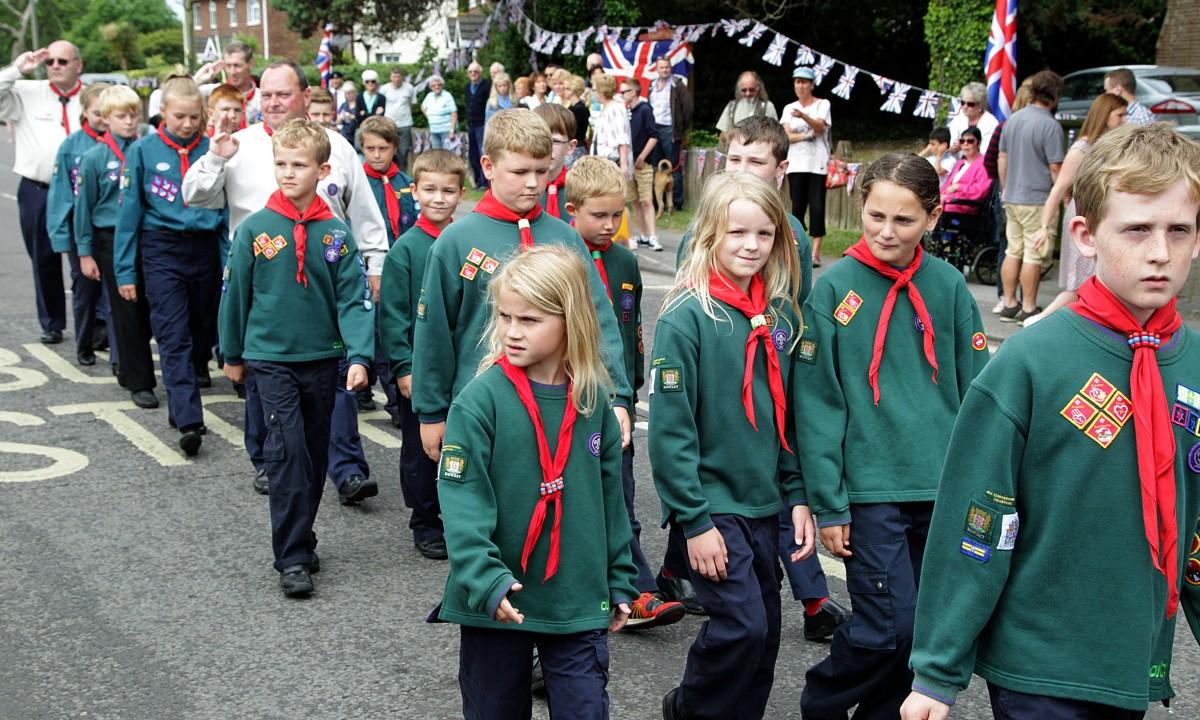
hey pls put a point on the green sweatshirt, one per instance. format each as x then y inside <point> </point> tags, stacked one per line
<point>625,291</point>
<point>400,297</point>
<point>488,484</point>
<point>98,199</point>
<point>450,333</point>
<point>803,249</point>
<point>853,451</point>
<point>1037,572</point>
<point>266,315</point>
<point>706,457</point>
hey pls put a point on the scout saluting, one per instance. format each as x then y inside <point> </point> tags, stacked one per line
<point>892,342</point>
<point>178,249</point>
<point>1067,529</point>
<point>722,452</point>
<point>530,488</point>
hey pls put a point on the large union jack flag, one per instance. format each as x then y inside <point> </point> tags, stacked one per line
<point>1000,61</point>
<point>325,55</point>
<point>638,60</point>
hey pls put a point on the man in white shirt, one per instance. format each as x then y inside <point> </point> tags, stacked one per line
<point>400,99</point>
<point>672,104</point>
<point>750,101</point>
<point>43,113</point>
<point>237,60</point>
<point>238,171</point>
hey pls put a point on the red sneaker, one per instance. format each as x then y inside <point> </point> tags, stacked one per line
<point>650,611</point>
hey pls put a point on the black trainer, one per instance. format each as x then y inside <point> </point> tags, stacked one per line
<point>86,358</point>
<point>296,581</point>
<point>433,549</point>
<point>826,621</point>
<point>680,590</point>
<point>355,489</point>
<point>190,441</point>
<point>145,399</point>
<point>261,484</point>
<point>51,337</point>
<point>668,705</point>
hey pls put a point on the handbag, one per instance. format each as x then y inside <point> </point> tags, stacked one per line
<point>837,173</point>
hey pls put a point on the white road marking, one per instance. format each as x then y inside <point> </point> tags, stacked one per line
<point>63,368</point>
<point>832,567</point>
<point>113,413</point>
<point>227,431</point>
<point>23,378</point>
<point>376,435</point>
<point>8,196</point>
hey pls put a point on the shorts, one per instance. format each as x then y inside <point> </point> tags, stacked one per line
<point>1024,221</point>
<point>641,187</point>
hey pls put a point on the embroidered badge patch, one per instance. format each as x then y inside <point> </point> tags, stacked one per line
<point>476,256</point>
<point>1186,411</point>
<point>806,351</point>
<point>980,522</point>
<point>779,338</point>
<point>626,286</point>
<point>468,271</point>
<point>1079,412</point>
<point>979,341</point>
<point>975,550</point>
<point>454,465</point>
<point>670,379</point>
<point>332,189</point>
<point>594,444</point>
<point>1103,431</point>
<point>1009,525</point>
<point>1097,389</point>
<point>1193,459</point>
<point>1119,407</point>
<point>163,188</point>
<point>1195,545</point>
<point>853,301</point>
<point>489,265</point>
<point>843,314</point>
<point>627,301</point>
<point>269,247</point>
<point>1192,574</point>
<point>1099,409</point>
<point>920,326</point>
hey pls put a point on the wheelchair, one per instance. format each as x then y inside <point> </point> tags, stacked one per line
<point>966,241</point>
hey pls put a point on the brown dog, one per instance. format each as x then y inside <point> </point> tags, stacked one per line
<point>664,187</point>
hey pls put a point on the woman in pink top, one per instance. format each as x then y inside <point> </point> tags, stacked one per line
<point>968,179</point>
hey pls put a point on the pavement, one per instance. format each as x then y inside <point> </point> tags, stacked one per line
<point>136,583</point>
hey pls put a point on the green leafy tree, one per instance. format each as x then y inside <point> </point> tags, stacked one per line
<point>162,47</point>
<point>122,39</point>
<point>140,16</point>
<point>54,17</point>
<point>956,32</point>
<point>381,18</point>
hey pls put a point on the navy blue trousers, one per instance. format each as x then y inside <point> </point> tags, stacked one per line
<point>474,153</point>
<point>868,662</point>
<point>87,305</point>
<point>495,667</point>
<point>1013,705</point>
<point>47,264</point>
<point>381,372</point>
<point>645,578</point>
<point>182,277</point>
<point>418,477</point>
<point>130,320</point>
<point>344,442</point>
<point>296,401</point>
<point>731,664</point>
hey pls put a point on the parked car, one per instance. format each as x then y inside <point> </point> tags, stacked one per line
<point>1171,93</point>
<point>110,78</point>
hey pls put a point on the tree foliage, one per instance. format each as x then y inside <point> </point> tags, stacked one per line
<point>956,32</point>
<point>54,18</point>
<point>379,18</point>
<point>126,21</point>
<point>1069,35</point>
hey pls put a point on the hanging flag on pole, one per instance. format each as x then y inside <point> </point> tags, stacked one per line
<point>1000,61</point>
<point>325,55</point>
<point>637,60</point>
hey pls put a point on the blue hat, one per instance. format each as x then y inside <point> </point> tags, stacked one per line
<point>803,72</point>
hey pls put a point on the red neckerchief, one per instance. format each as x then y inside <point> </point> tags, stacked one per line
<point>265,126</point>
<point>316,210</point>
<point>65,99</point>
<point>90,131</point>
<point>903,279</point>
<point>1151,420</point>
<point>108,139</point>
<point>389,195</point>
<point>754,307</point>
<point>246,99</point>
<point>552,193</point>
<point>551,488</point>
<point>183,150</point>
<point>599,260</point>
<point>433,230</point>
<point>492,208</point>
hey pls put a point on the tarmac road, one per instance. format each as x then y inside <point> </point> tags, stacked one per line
<point>136,583</point>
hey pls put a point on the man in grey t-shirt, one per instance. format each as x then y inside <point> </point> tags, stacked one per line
<point>1031,154</point>
<point>400,99</point>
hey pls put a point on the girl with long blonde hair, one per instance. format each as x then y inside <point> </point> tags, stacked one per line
<point>530,487</point>
<point>722,438</point>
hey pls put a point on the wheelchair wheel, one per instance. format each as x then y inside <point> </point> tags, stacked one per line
<point>984,266</point>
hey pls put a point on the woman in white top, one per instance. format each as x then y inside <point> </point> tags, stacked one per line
<point>611,136</point>
<point>538,89</point>
<point>807,122</point>
<point>1107,112</point>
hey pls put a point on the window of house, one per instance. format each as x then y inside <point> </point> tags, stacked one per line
<point>233,7</point>
<point>387,57</point>
<point>253,12</point>
<point>196,17</point>
<point>212,14</point>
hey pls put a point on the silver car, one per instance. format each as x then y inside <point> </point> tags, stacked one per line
<point>1171,93</point>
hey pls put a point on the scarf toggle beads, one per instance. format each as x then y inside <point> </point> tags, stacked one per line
<point>1138,340</point>
<point>550,488</point>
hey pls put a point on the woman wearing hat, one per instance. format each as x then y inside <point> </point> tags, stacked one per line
<point>807,122</point>
<point>370,100</point>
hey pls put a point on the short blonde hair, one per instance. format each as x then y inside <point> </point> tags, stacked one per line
<point>91,94</point>
<point>781,273</point>
<point>605,85</point>
<point>1144,160</point>
<point>442,162</point>
<point>298,133</point>
<point>183,87</point>
<point>555,281</point>
<point>575,84</point>
<point>517,131</point>
<point>593,176</point>
<point>119,97</point>
<point>381,127</point>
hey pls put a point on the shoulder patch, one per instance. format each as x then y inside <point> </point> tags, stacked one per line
<point>806,351</point>
<point>980,523</point>
<point>670,379</point>
<point>453,465</point>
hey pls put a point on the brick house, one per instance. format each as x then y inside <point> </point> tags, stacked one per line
<point>1179,41</point>
<point>222,19</point>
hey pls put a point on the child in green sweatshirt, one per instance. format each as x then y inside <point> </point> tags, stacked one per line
<point>1065,538</point>
<point>530,488</point>
<point>722,439</point>
<point>892,341</point>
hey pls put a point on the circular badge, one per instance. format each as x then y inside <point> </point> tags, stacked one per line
<point>331,254</point>
<point>1192,574</point>
<point>979,341</point>
<point>627,301</point>
<point>779,338</point>
<point>1194,458</point>
<point>162,167</point>
<point>367,304</point>
<point>594,444</point>
<point>113,165</point>
<point>920,326</point>
<point>332,189</point>
<point>1195,544</point>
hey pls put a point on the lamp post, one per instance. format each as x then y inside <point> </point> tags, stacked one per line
<point>189,50</point>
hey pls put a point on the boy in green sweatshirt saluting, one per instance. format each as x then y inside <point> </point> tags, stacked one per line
<point>1076,457</point>
<point>295,299</point>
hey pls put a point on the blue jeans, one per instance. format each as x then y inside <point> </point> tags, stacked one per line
<point>437,140</point>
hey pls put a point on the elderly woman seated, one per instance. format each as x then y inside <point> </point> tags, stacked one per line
<point>967,180</point>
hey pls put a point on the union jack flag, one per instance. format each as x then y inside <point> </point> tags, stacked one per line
<point>637,60</point>
<point>1000,61</point>
<point>325,55</point>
